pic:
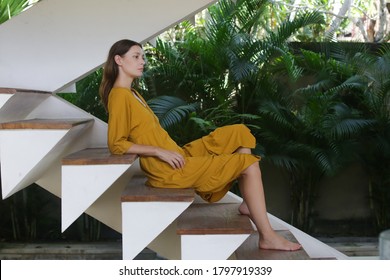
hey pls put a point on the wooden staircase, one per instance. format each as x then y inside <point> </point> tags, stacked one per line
<point>48,141</point>
<point>65,156</point>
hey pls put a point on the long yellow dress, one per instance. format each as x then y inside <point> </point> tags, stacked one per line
<point>210,162</point>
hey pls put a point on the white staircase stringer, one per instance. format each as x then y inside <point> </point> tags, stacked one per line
<point>142,222</point>
<point>17,106</point>
<point>168,243</point>
<point>70,49</point>
<point>107,208</point>
<point>4,97</point>
<point>82,185</point>
<point>315,248</point>
<point>51,179</point>
<point>56,107</point>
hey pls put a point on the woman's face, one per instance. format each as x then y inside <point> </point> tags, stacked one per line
<point>132,63</point>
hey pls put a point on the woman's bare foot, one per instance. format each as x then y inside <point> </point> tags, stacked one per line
<point>273,241</point>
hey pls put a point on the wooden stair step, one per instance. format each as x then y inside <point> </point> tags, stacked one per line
<point>8,91</point>
<point>249,250</point>
<point>95,156</point>
<point>138,191</point>
<point>217,218</point>
<point>18,90</point>
<point>44,123</point>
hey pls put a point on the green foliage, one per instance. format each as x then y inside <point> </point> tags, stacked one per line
<point>87,96</point>
<point>373,101</point>
<point>29,215</point>
<point>313,112</point>
<point>246,72</point>
<point>170,110</point>
<point>10,8</point>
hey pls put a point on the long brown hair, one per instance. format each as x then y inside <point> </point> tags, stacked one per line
<point>110,70</point>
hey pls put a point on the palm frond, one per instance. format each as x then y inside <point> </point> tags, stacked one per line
<point>170,110</point>
<point>289,28</point>
<point>278,115</point>
<point>322,160</point>
<point>343,123</point>
<point>288,64</point>
<point>320,86</point>
<point>312,61</point>
<point>282,161</point>
<point>353,83</point>
<point>10,8</point>
<point>250,15</point>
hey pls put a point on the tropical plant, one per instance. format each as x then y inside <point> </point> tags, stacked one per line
<point>87,95</point>
<point>10,8</point>
<point>373,78</point>
<point>363,77</point>
<point>31,214</point>
<point>313,132</point>
<point>228,67</point>
<point>173,113</point>
<point>221,63</point>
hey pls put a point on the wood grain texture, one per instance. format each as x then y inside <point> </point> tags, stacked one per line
<point>136,190</point>
<point>8,90</point>
<point>217,218</point>
<point>249,250</point>
<point>44,123</point>
<point>18,90</point>
<point>94,156</point>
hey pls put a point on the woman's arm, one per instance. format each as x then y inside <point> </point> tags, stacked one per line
<point>119,129</point>
<point>174,159</point>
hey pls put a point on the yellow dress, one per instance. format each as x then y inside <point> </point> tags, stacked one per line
<point>210,162</point>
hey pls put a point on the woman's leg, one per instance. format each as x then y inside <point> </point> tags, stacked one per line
<point>251,188</point>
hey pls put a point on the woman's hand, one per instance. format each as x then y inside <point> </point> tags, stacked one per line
<point>174,159</point>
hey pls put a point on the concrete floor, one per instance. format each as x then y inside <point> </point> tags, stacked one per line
<point>363,248</point>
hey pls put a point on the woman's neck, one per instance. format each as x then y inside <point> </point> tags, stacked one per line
<point>123,82</point>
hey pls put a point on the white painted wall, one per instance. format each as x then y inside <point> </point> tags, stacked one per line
<point>57,42</point>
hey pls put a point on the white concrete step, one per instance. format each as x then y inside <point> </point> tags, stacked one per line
<point>29,147</point>
<point>148,216</point>
<point>86,176</point>
<point>212,231</point>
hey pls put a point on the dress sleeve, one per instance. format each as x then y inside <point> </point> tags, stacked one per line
<point>119,123</point>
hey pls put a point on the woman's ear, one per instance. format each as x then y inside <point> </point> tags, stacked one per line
<point>118,59</point>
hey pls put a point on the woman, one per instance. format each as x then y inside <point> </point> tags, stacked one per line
<point>209,164</point>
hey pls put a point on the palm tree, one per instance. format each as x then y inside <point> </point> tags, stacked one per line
<point>220,64</point>
<point>373,77</point>
<point>225,67</point>
<point>313,132</point>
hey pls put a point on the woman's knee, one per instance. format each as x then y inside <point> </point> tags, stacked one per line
<point>243,150</point>
<point>253,169</point>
